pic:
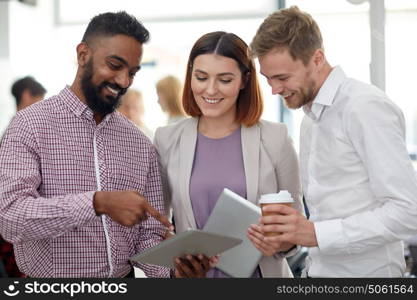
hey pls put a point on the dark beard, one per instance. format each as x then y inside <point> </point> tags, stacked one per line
<point>98,104</point>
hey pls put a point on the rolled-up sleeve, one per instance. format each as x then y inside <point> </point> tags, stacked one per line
<point>24,214</point>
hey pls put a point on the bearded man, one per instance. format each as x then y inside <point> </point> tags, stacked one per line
<point>80,190</point>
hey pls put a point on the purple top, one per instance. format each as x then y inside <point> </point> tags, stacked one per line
<point>218,164</point>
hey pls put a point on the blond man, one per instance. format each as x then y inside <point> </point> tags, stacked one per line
<point>357,178</point>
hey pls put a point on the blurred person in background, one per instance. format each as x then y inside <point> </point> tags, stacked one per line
<point>133,108</point>
<point>26,91</point>
<point>8,266</point>
<point>169,90</point>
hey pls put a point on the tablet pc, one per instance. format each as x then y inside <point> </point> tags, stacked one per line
<point>191,241</point>
<point>232,215</point>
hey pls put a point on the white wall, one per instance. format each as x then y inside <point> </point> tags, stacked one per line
<point>30,50</point>
<point>5,69</point>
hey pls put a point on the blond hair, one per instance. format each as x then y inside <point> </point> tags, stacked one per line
<point>290,29</point>
<point>171,88</point>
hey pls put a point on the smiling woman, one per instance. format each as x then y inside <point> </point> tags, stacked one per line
<point>227,54</point>
<point>216,83</point>
<point>225,144</point>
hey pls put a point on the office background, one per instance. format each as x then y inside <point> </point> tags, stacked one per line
<point>373,40</point>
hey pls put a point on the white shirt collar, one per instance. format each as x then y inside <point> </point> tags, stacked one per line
<point>326,94</point>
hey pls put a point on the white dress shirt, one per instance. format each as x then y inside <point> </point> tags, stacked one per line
<point>358,181</point>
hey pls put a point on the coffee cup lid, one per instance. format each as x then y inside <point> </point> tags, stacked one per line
<point>281,197</point>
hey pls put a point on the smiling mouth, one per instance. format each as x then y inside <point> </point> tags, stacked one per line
<point>115,92</point>
<point>287,95</point>
<point>212,100</point>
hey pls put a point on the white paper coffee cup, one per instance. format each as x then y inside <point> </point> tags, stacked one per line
<point>281,198</point>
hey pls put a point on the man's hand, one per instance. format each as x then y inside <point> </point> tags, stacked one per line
<point>295,228</point>
<point>168,234</point>
<point>193,266</point>
<point>127,208</point>
<point>268,248</point>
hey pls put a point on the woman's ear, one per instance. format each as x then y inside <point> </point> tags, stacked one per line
<point>83,54</point>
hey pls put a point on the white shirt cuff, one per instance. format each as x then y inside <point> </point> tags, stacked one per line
<point>330,237</point>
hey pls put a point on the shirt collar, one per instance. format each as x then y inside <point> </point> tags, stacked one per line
<point>74,103</point>
<point>78,107</point>
<point>326,95</point>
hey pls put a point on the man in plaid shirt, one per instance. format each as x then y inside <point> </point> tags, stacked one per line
<point>80,190</point>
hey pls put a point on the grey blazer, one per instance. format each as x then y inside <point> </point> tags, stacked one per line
<point>270,164</point>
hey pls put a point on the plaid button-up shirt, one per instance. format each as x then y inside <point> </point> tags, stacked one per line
<point>53,158</point>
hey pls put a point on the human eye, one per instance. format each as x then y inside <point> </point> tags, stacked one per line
<point>226,81</point>
<point>114,66</point>
<point>200,78</point>
<point>281,78</point>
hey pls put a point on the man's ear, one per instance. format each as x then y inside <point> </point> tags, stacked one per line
<point>83,54</point>
<point>319,58</point>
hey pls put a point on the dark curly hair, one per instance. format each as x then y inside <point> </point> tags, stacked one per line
<point>110,24</point>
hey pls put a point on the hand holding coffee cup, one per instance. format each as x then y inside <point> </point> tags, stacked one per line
<point>281,198</point>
